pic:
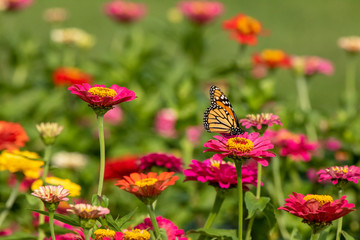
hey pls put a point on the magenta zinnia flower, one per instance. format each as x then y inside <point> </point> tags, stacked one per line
<point>243,146</point>
<point>172,231</point>
<point>201,12</point>
<point>340,174</point>
<point>317,210</point>
<point>259,121</point>
<point>170,162</point>
<point>124,12</point>
<point>221,174</point>
<point>101,97</point>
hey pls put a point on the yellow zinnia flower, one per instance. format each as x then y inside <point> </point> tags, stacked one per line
<point>73,188</point>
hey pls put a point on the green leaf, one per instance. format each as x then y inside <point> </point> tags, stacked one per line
<point>73,221</point>
<point>57,229</point>
<point>102,201</point>
<point>163,234</point>
<point>121,221</point>
<point>112,223</point>
<point>253,204</point>
<point>295,235</point>
<point>19,236</point>
<point>269,213</point>
<point>221,234</point>
<point>347,236</point>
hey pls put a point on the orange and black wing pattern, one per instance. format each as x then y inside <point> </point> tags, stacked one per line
<point>220,116</point>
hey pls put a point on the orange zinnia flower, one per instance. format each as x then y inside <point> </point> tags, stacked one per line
<point>147,186</point>
<point>272,58</point>
<point>12,136</point>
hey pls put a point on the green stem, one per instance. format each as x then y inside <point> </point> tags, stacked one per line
<point>350,86</point>
<point>47,154</point>
<point>102,153</point>
<point>238,164</point>
<point>87,233</point>
<point>51,224</point>
<point>315,236</point>
<point>153,220</point>
<point>219,199</point>
<point>10,202</point>
<point>258,194</point>
<point>339,226</point>
<point>277,180</point>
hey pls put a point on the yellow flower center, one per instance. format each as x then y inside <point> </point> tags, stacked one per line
<point>102,92</point>
<point>340,169</point>
<point>136,234</point>
<point>101,233</point>
<point>248,25</point>
<point>198,7</point>
<point>73,73</point>
<point>146,182</point>
<point>240,144</point>
<point>273,55</point>
<point>321,199</point>
<point>215,163</point>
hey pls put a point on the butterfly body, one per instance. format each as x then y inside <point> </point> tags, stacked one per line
<point>220,116</point>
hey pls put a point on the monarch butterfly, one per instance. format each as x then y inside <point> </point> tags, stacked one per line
<point>220,116</point>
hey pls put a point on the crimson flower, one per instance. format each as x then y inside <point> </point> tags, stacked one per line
<point>116,168</point>
<point>317,210</point>
<point>243,146</point>
<point>170,162</point>
<point>12,136</point>
<point>220,174</point>
<point>243,29</point>
<point>340,174</point>
<point>69,76</point>
<point>272,58</point>
<point>124,12</point>
<point>201,12</point>
<point>259,121</point>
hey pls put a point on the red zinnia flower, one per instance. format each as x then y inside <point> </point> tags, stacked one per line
<point>116,168</point>
<point>169,162</point>
<point>317,210</point>
<point>259,121</point>
<point>124,12</point>
<point>243,146</point>
<point>67,76</point>
<point>342,174</point>
<point>244,29</point>
<point>201,12</point>
<point>12,136</point>
<point>147,187</point>
<point>272,58</point>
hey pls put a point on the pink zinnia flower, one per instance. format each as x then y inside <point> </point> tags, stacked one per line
<point>124,12</point>
<point>101,97</point>
<point>311,65</point>
<point>243,146</point>
<point>114,116</point>
<point>51,194</point>
<point>201,12</point>
<point>165,121</point>
<point>11,5</point>
<point>317,210</point>
<point>221,174</point>
<point>340,174</point>
<point>332,144</point>
<point>88,211</point>
<point>172,231</point>
<point>170,162</point>
<point>259,121</point>
<point>193,134</point>
<point>295,146</point>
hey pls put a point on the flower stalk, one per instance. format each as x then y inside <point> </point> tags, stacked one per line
<point>100,119</point>
<point>219,199</point>
<point>238,164</point>
<point>151,212</point>
<point>350,86</point>
<point>315,236</point>
<point>51,224</point>
<point>339,226</point>
<point>10,202</point>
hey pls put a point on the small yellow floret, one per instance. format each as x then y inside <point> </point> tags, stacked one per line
<point>136,234</point>
<point>102,92</point>
<point>101,233</point>
<point>146,182</point>
<point>273,55</point>
<point>321,199</point>
<point>248,25</point>
<point>340,169</point>
<point>240,144</point>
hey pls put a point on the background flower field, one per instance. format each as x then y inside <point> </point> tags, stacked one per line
<point>170,63</point>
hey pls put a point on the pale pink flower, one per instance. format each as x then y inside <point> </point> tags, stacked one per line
<point>114,116</point>
<point>336,174</point>
<point>125,12</point>
<point>193,134</point>
<point>88,211</point>
<point>311,65</point>
<point>165,122</point>
<point>350,44</point>
<point>259,121</point>
<point>51,194</point>
<point>201,12</point>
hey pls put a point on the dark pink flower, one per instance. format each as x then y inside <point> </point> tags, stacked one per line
<point>295,146</point>
<point>165,122</point>
<point>125,12</point>
<point>311,175</point>
<point>317,209</point>
<point>243,146</point>
<point>259,121</point>
<point>170,162</point>
<point>11,5</point>
<point>101,97</point>
<point>201,12</point>
<point>336,174</point>
<point>332,144</point>
<point>219,173</point>
<point>172,231</point>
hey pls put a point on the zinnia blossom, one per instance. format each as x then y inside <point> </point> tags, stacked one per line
<point>73,160</point>
<point>340,174</point>
<point>259,121</point>
<point>243,146</point>
<point>350,44</point>
<point>201,12</point>
<point>317,210</point>
<point>169,162</point>
<point>67,76</point>
<point>88,211</point>
<point>125,12</point>
<point>243,29</point>
<point>72,36</point>
<point>21,161</point>
<point>193,134</point>
<point>101,97</point>
<point>172,231</point>
<point>118,167</point>
<point>102,234</point>
<point>11,5</point>
<point>147,187</point>
<point>49,131</point>
<point>51,194</point>
<point>136,234</point>
<point>272,58</point>
<point>295,146</point>
<point>165,122</point>
<point>312,65</point>
<point>55,15</point>
<point>12,136</point>
<point>220,174</point>
<point>73,188</point>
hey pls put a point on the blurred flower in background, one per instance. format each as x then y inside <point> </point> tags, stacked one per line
<point>311,65</point>
<point>118,167</point>
<point>350,44</point>
<point>193,134</point>
<point>272,58</point>
<point>14,5</point>
<point>165,122</point>
<point>88,211</point>
<point>243,29</point>
<point>12,136</point>
<point>258,121</point>
<point>72,36</point>
<point>55,15</point>
<point>49,131</point>
<point>67,76</point>
<point>339,174</point>
<point>201,12</point>
<point>73,160</point>
<point>125,12</point>
<point>73,188</point>
<point>167,161</point>
<point>114,116</point>
<point>25,184</point>
<point>332,144</point>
